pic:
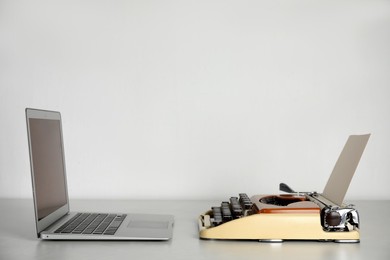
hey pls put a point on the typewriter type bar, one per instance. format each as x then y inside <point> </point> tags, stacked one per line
<point>217,216</point>
<point>235,207</point>
<point>245,201</point>
<point>228,211</point>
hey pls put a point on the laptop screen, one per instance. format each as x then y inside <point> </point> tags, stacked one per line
<point>48,165</point>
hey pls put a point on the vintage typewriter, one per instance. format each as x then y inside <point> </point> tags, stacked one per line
<point>293,215</point>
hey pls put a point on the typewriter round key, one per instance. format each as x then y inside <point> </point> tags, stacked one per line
<point>333,219</point>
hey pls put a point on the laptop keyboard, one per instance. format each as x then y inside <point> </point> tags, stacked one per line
<point>92,223</point>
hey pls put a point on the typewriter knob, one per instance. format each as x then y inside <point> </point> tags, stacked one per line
<point>333,218</point>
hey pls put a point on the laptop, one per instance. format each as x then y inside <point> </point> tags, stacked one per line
<point>53,219</point>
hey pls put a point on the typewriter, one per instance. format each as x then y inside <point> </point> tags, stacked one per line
<point>292,215</point>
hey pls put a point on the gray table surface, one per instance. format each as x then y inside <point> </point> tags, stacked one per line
<point>18,239</point>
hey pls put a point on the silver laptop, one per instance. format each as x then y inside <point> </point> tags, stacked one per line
<point>52,216</point>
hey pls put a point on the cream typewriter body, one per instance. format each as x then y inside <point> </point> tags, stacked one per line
<point>293,215</point>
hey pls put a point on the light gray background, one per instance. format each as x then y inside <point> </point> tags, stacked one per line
<point>197,99</point>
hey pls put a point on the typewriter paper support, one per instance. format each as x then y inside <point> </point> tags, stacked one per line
<point>296,215</point>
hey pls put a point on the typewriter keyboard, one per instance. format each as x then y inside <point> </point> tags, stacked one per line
<point>236,207</point>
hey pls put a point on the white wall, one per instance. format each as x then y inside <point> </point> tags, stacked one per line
<point>197,99</point>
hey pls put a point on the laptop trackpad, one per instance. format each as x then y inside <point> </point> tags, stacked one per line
<point>148,224</point>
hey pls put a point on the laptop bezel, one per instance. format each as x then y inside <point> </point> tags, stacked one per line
<point>62,211</point>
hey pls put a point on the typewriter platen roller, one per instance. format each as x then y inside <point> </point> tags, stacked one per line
<point>292,215</point>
